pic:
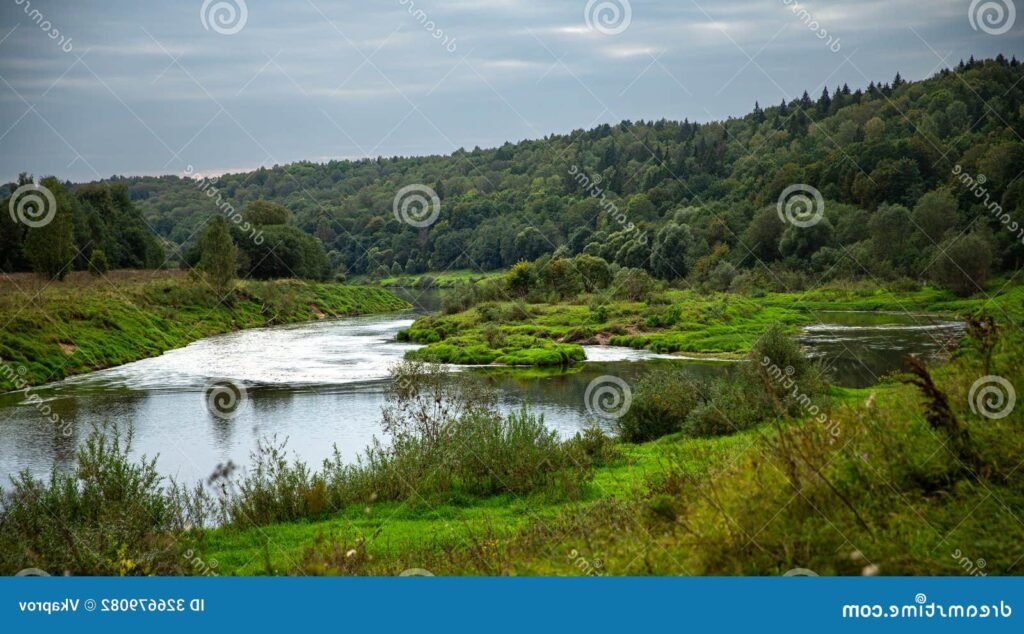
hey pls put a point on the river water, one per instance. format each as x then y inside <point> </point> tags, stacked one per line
<point>321,385</point>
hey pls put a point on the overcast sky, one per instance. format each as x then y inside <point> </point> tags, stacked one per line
<point>94,88</point>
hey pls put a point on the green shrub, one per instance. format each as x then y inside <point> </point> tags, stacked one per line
<point>662,400</point>
<point>107,515</point>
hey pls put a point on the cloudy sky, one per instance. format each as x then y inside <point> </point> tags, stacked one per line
<point>93,88</point>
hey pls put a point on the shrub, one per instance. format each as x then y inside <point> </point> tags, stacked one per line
<point>107,515</point>
<point>662,400</point>
<point>447,440</point>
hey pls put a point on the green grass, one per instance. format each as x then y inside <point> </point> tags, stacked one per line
<point>676,321</point>
<point>441,279</point>
<point>397,533</point>
<point>84,323</point>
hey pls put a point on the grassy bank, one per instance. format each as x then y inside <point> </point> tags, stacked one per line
<point>674,321</point>
<point>904,478</point>
<point>55,330</point>
<point>432,279</point>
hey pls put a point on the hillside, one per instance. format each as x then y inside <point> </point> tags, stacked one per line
<point>680,198</point>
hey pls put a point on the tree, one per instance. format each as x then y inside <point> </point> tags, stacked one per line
<point>266,213</point>
<point>763,233</point>
<point>800,243</point>
<point>561,276</point>
<point>595,272</point>
<point>98,264</point>
<point>935,214</point>
<point>520,279</point>
<point>965,264</point>
<point>218,255</point>
<point>672,254</point>
<point>889,228</point>
<point>286,251</point>
<point>51,247</point>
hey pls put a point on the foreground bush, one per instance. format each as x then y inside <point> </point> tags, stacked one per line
<point>107,516</point>
<point>777,380</point>
<point>446,441</point>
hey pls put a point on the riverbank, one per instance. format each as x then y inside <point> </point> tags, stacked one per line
<point>55,330</point>
<point>724,325</point>
<point>915,475</point>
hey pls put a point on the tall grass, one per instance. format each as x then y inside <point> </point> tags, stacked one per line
<point>445,441</point>
<point>108,515</point>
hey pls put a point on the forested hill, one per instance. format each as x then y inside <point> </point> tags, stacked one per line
<point>898,165</point>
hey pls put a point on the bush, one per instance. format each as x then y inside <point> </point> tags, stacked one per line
<point>107,516</point>
<point>777,380</point>
<point>662,401</point>
<point>447,440</point>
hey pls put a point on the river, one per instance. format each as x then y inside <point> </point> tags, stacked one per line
<point>322,384</point>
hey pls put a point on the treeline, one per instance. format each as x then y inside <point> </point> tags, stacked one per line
<point>52,229</point>
<point>917,180</point>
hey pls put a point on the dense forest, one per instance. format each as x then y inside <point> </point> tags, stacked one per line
<point>907,171</point>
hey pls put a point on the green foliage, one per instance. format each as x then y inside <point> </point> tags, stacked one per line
<point>447,441</point>
<point>265,213</point>
<point>282,252</point>
<point>662,401</point>
<point>97,216</point>
<point>777,380</point>
<point>51,247</point>
<point>218,255</point>
<point>109,515</point>
<point>964,263</point>
<point>98,264</point>
<point>520,279</point>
